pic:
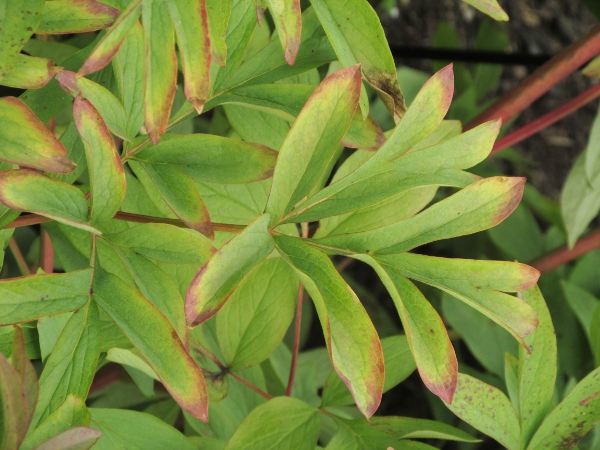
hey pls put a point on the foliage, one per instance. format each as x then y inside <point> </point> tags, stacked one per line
<point>181,225</point>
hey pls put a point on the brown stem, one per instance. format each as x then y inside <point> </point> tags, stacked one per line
<point>542,80</point>
<point>46,253</point>
<point>548,119</point>
<point>251,386</point>
<point>18,255</point>
<point>296,349</point>
<point>564,255</point>
<point>34,219</point>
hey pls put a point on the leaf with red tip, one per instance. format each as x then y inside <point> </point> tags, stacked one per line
<point>190,21</point>
<point>108,106</point>
<point>221,275</point>
<point>152,334</point>
<point>473,283</point>
<point>25,141</point>
<point>426,333</point>
<point>18,22</point>
<point>288,20</point>
<point>490,7</point>
<point>221,160</point>
<point>75,16</point>
<point>31,191</point>
<point>161,68</point>
<point>218,12</point>
<point>112,40</point>
<point>477,207</point>
<point>487,409</point>
<point>30,73</point>
<point>107,177</point>
<point>76,438</point>
<point>351,338</point>
<point>354,30</point>
<point>313,140</point>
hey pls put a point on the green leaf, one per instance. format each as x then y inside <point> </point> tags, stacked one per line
<point>477,207</point>
<point>487,409</point>
<point>282,422</point>
<point>354,30</point>
<point>572,418</point>
<point>537,369</point>
<point>490,7</point>
<point>269,65</point>
<point>166,243</point>
<point>107,105</point>
<point>288,22</point>
<point>38,149</point>
<point>107,176</point>
<point>152,334</point>
<point>75,16</point>
<point>254,320</point>
<point>222,160</point>
<point>480,284</point>
<point>582,302</point>
<point>72,412</point>
<point>129,67</point>
<point>219,12</point>
<point>77,438</point>
<point>304,155</point>
<point>190,22</point>
<point>30,73</point>
<point>18,21</point>
<point>595,335</point>
<point>180,193</point>
<point>161,67</point>
<point>580,199</point>
<point>71,366</point>
<point>26,373</point>
<point>351,338</point>
<point>13,408</point>
<point>426,333</point>
<point>131,358</point>
<point>113,39</point>
<point>222,274</point>
<point>29,190</point>
<point>28,298</point>
<point>123,429</point>
<point>399,364</point>
<point>386,432</point>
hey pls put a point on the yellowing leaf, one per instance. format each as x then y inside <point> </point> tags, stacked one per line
<point>75,16</point>
<point>287,17</point>
<point>490,7</point>
<point>30,73</point>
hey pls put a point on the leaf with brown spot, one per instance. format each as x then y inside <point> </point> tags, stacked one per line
<point>352,341</point>
<point>76,16</point>
<point>573,418</point>
<point>38,148</point>
<point>354,30</point>
<point>113,39</point>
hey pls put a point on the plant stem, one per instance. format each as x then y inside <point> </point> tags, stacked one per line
<point>564,255</point>
<point>547,119</point>
<point>34,219</point>
<point>18,255</point>
<point>296,349</point>
<point>251,386</point>
<point>46,253</point>
<point>542,80</point>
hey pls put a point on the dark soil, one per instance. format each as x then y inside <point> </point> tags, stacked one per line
<point>535,27</point>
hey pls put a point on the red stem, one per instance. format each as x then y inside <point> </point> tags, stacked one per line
<point>542,80</point>
<point>548,119</point>
<point>251,386</point>
<point>296,349</point>
<point>18,255</point>
<point>46,253</point>
<point>564,255</point>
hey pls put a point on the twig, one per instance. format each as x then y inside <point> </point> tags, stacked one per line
<point>542,80</point>
<point>251,386</point>
<point>564,255</point>
<point>548,119</point>
<point>18,255</point>
<point>296,349</point>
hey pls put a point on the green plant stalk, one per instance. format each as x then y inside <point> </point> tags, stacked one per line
<point>296,349</point>
<point>547,119</point>
<point>564,254</point>
<point>18,255</point>
<point>542,80</point>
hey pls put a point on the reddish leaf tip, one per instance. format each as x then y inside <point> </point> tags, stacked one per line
<point>68,82</point>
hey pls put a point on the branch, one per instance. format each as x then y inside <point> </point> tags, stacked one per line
<point>548,119</point>
<point>542,80</point>
<point>564,255</point>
